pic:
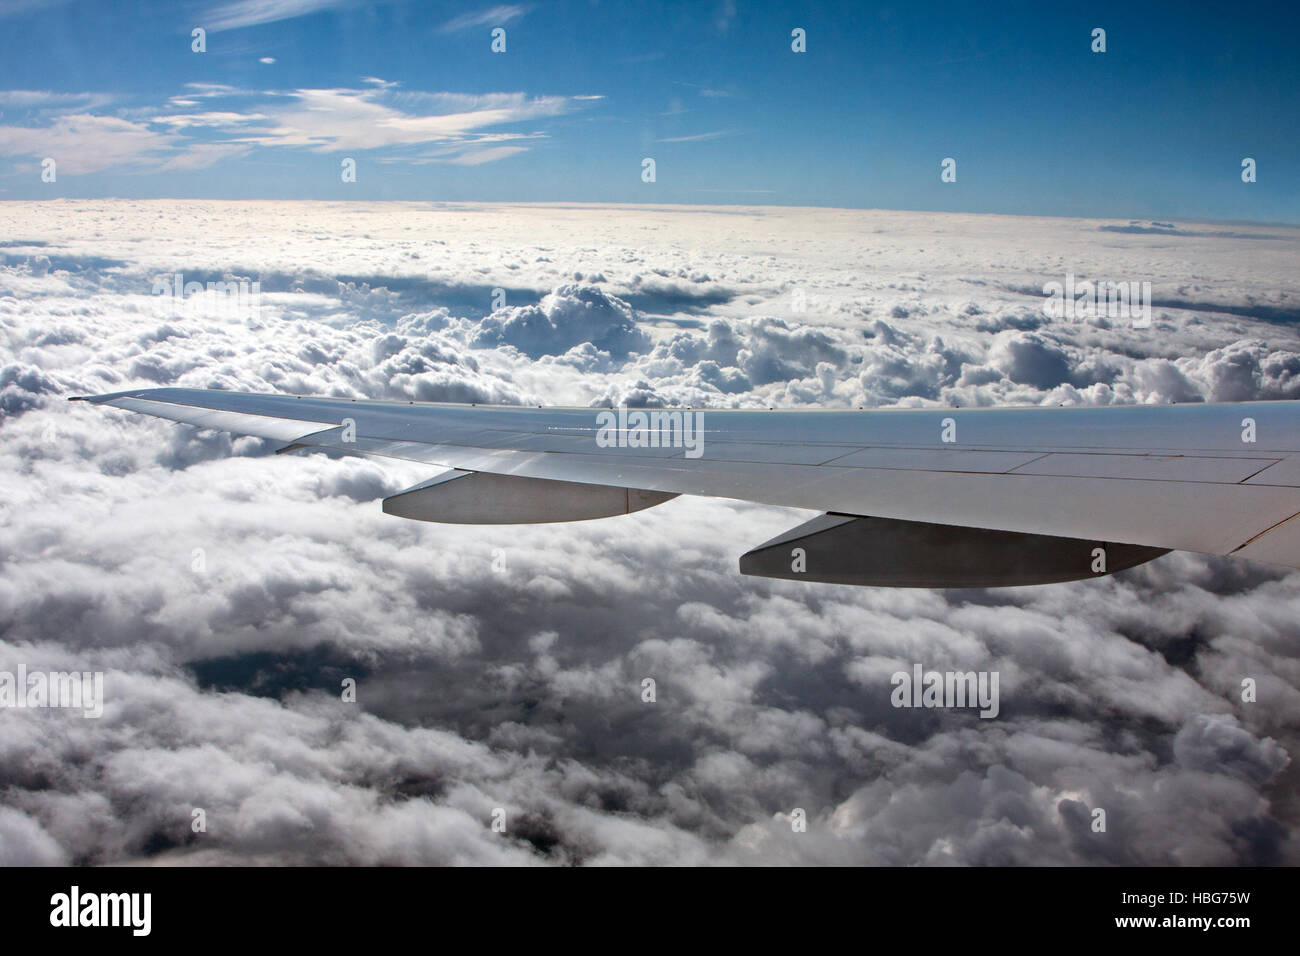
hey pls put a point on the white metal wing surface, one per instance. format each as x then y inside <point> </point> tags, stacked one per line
<point>912,497</point>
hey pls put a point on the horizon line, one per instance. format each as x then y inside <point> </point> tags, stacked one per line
<point>1281,223</point>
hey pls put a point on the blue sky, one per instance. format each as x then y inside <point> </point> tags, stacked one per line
<point>1155,127</point>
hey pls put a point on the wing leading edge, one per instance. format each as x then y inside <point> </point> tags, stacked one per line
<point>1134,481</point>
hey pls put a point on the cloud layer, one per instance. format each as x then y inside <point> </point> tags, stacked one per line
<point>227,598</point>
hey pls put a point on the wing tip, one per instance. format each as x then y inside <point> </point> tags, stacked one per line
<point>109,396</point>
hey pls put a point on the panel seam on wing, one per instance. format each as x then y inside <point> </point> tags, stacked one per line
<point>1255,538</point>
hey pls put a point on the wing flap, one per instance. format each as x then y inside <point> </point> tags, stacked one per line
<point>882,552</point>
<point>1284,472</point>
<point>929,459</point>
<point>1154,467</point>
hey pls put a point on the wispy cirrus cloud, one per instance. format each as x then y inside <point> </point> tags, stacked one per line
<point>331,120</point>
<point>50,101</point>
<point>203,155</point>
<point>492,16</point>
<point>248,13</point>
<point>209,123</point>
<point>699,137</point>
<point>710,92</point>
<point>477,157</point>
<point>15,8</point>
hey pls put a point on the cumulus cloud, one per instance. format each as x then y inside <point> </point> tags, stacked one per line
<point>226,599</point>
<point>570,316</point>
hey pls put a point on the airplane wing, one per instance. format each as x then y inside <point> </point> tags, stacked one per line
<point>935,497</point>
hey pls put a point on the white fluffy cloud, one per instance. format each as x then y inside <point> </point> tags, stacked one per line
<point>227,598</point>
